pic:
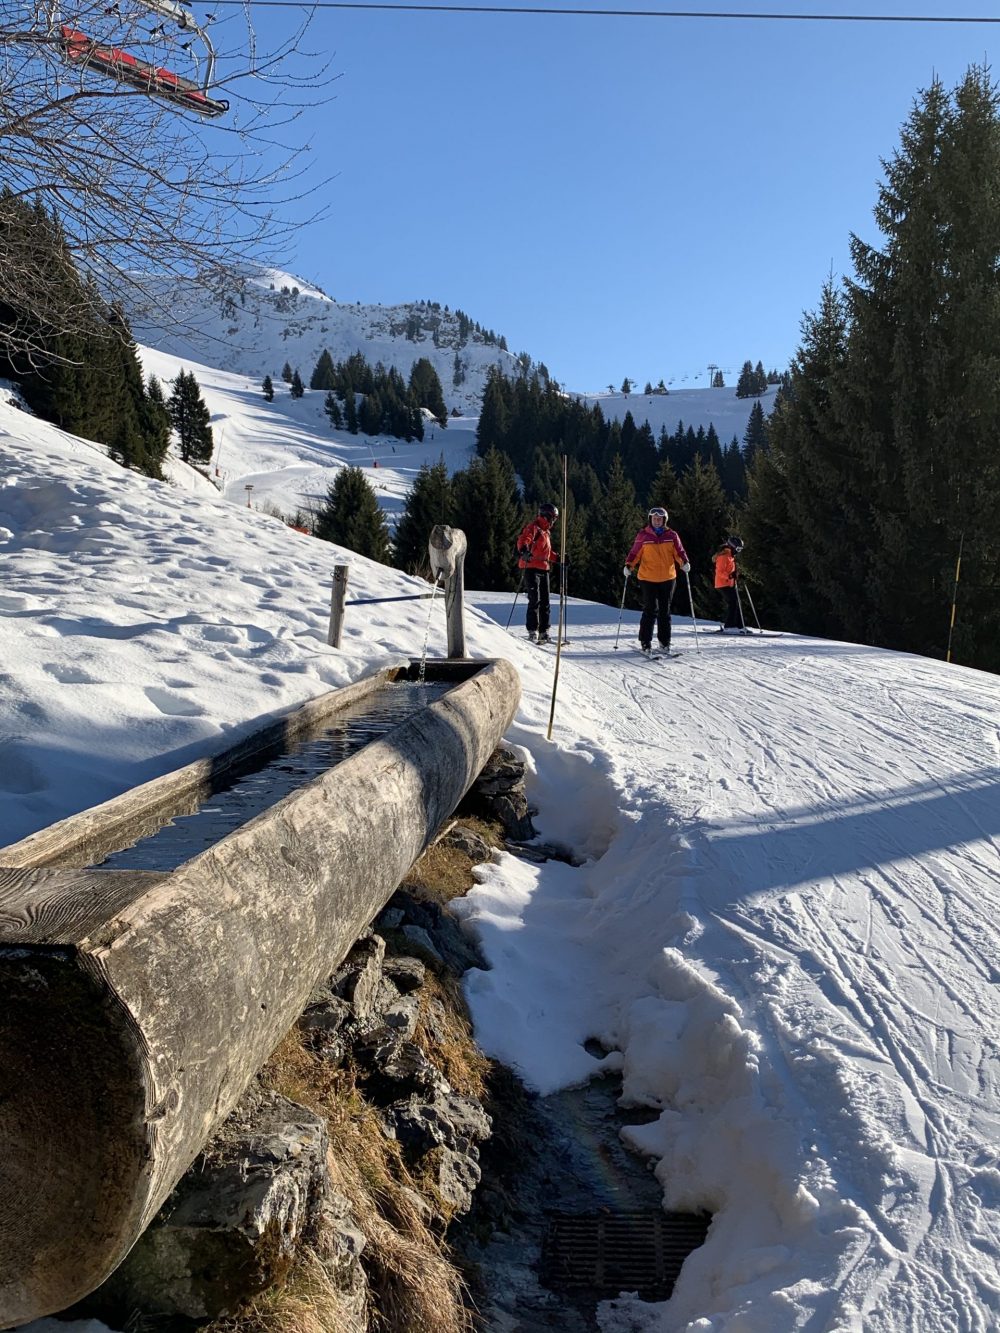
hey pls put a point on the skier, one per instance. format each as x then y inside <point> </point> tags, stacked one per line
<point>655,556</point>
<point>535,557</point>
<point>726,576</point>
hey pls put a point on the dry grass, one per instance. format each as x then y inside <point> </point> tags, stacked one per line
<point>413,1285</point>
<point>444,872</point>
<point>454,1052</point>
<point>308,1302</point>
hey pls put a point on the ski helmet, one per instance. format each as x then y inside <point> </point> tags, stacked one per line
<point>736,543</point>
<point>548,511</point>
<point>658,512</point>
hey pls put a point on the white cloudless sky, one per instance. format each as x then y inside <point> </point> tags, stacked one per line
<point>617,196</point>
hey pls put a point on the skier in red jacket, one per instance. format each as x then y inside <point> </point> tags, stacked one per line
<point>726,576</point>
<point>535,557</point>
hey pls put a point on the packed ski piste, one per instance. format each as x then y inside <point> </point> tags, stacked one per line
<point>782,933</point>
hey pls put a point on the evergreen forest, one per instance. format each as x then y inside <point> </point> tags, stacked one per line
<point>70,353</point>
<point>882,464</point>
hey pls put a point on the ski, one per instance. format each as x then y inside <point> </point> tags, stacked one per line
<point>656,656</point>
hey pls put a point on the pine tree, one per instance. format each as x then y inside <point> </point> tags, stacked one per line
<point>745,385</point>
<point>324,375</point>
<point>809,474</point>
<point>700,514</point>
<point>351,413</point>
<point>664,486</point>
<point>286,373</point>
<point>755,435</point>
<point>614,521</point>
<point>733,471</point>
<point>718,381</point>
<point>487,504</point>
<point>297,389</point>
<point>268,389</point>
<point>429,502</point>
<point>191,419</point>
<point>425,390</point>
<point>494,415</point>
<point>351,516</point>
<point>331,407</point>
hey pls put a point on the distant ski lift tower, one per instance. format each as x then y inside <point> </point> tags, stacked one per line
<point>712,368</point>
<point>148,76</point>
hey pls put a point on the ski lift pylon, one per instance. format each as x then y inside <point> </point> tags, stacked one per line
<point>154,80</point>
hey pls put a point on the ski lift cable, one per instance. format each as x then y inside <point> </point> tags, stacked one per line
<point>615,13</point>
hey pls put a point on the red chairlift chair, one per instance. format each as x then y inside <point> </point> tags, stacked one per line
<point>156,81</point>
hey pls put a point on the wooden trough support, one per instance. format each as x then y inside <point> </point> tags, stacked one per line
<point>135,1007</point>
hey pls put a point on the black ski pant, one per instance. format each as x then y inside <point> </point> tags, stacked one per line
<point>536,587</point>
<point>656,599</point>
<point>734,619</point>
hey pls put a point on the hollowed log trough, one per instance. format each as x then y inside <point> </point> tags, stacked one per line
<point>135,1007</point>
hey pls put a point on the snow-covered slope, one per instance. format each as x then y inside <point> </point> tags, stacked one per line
<point>785,932</point>
<point>288,453</point>
<point>693,407</point>
<point>277,318</point>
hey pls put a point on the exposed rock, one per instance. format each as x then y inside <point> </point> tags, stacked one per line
<point>403,1016</point>
<point>498,794</point>
<point>458,1177</point>
<point>234,1222</point>
<point>391,1060</point>
<point>420,940</point>
<point>450,944</point>
<point>327,1016</point>
<point>446,1120</point>
<point>338,1248</point>
<point>357,980</point>
<point>406,974</point>
<point>476,848</point>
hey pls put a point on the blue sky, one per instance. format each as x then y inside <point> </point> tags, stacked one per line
<point>616,196</point>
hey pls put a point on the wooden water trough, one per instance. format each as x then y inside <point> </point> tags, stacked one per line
<point>135,1006</point>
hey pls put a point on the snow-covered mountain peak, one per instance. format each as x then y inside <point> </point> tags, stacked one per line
<point>272,318</point>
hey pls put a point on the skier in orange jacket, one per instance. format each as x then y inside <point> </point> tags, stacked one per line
<point>726,577</point>
<point>656,555</point>
<point>535,556</point>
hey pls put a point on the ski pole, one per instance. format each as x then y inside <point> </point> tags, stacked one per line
<point>694,618</point>
<point>514,602</point>
<point>739,603</point>
<point>621,612</point>
<point>752,608</point>
<point>954,596</point>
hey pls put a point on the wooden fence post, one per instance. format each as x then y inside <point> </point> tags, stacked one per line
<point>337,599</point>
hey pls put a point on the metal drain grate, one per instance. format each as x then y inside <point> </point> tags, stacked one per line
<point>605,1253</point>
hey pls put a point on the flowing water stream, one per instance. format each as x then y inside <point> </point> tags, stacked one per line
<point>246,796</point>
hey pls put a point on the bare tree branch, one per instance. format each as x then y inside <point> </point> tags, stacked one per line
<point>145,189</point>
